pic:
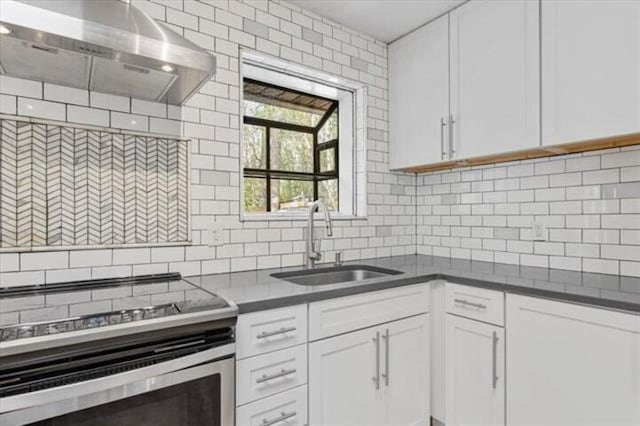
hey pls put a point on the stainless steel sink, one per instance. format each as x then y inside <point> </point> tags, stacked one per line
<point>335,275</point>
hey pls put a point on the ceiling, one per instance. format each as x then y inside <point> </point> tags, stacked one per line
<point>384,20</point>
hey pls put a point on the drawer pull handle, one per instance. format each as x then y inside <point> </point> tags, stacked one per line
<point>282,417</point>
<point>281,373</point>
<point>376,378</point>
<point>494,366</point>
<point>385,336</point>
<point>467,303</point>
<point>283,330</point>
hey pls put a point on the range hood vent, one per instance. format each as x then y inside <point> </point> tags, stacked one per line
<point>106,46</point>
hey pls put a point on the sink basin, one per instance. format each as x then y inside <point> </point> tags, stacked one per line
<point>334,275</point>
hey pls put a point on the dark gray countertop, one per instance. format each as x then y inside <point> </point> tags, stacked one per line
<point>258,290</point>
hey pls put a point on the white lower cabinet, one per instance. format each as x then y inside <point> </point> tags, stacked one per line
<point>287,408</point>
<point>475,385</point>
<point>570,364</point>
<point>375,376</point>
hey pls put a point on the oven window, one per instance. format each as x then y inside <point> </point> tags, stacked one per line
<point>193,403</point>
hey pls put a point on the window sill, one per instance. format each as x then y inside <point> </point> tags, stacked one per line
<point>261,217</point>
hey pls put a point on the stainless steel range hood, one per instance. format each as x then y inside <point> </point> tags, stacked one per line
<point>101,45</point>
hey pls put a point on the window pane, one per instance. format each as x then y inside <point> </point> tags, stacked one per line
<point>328,160</point>
<point>291,151</point>
<point>328,192</point>
<point>255,146</point>
<point>329,131</point>
<point>280,113</point>
<point>255,195</point>
<point>291,195</point>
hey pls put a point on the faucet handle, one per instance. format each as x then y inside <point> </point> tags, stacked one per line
<point>338,260</point>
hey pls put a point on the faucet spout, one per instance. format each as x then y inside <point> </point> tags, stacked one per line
<point>312,255</point>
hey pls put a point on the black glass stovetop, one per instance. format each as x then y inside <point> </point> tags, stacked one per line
<point>32,311</point>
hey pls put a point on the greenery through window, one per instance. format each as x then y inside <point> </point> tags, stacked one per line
<point>290,149</point>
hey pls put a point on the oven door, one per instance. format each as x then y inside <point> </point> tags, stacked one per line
<point>193,390</point>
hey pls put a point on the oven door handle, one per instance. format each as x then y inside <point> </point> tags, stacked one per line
<point>120,380</point>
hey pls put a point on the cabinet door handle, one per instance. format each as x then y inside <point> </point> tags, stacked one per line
<point>386,357</point>
<point>442,126</point>
<point>494,366</point>
<point>467,303</point>
<point>282,417</point>
<point>281,373</point>
<point>376,378</point>
<point>452,150</point>
<point>283,330</point>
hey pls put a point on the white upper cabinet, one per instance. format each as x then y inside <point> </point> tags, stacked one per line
<point>590,69</point>
<point>495,96</point>
<point>570,364</point>
<point>419,95</point>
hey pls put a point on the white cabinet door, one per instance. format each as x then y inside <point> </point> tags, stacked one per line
<point>590,69</point>
<point>475,385</point>
<point>419,95</point>
<point>405,373</point>
<point>495,97</point>
<point>341,386</point>
<point>571,365</point>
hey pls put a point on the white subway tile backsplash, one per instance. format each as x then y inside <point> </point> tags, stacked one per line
<point>167,254</point>
<point>8,104</point>
<point>90,116</point>
<point>110,102</point>
<point>601,176</point>
<point>630,174</point>
<point>630,205</point>
<point>62,275</point>
<point>9,262</point>
<point>41,109</point>
<point>131,256</point>
<point>618,221</point>
<point>582,163</point>
<point>584,207</point>
<point>64,94</point>
<point>44,260</point>
<point>129,122</point>
<point>153,109</point>
<point>601,266</point>
<point>84,258</point>
<point>166,127</point>
<point>20,87</point>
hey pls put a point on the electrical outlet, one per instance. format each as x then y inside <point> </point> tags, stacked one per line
<point>215,234</point>
<point>538,231</point>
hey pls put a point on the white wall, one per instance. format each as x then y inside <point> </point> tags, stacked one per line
<point>211,119</point>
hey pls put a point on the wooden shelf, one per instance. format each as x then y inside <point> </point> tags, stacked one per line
<point>547,151</point>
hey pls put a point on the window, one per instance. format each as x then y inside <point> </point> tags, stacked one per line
<point>290,149</point>
<point>303,138</point>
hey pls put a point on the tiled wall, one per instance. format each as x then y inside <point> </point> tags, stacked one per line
<point>211,120</point>
<point>63,186</point>
<point>589,203</point>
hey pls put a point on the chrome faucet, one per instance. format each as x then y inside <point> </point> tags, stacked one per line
<point>312,255</point>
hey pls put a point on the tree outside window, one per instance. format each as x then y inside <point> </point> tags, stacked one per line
<point>290,149</point>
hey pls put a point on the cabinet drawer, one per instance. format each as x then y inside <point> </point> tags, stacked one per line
<point>267,374</point>
<point>267,331</point>
<point>288,408</point>
<point>475,303</point>
<point>336,316</point>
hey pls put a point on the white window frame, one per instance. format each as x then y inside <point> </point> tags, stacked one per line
<point>352,97</point>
